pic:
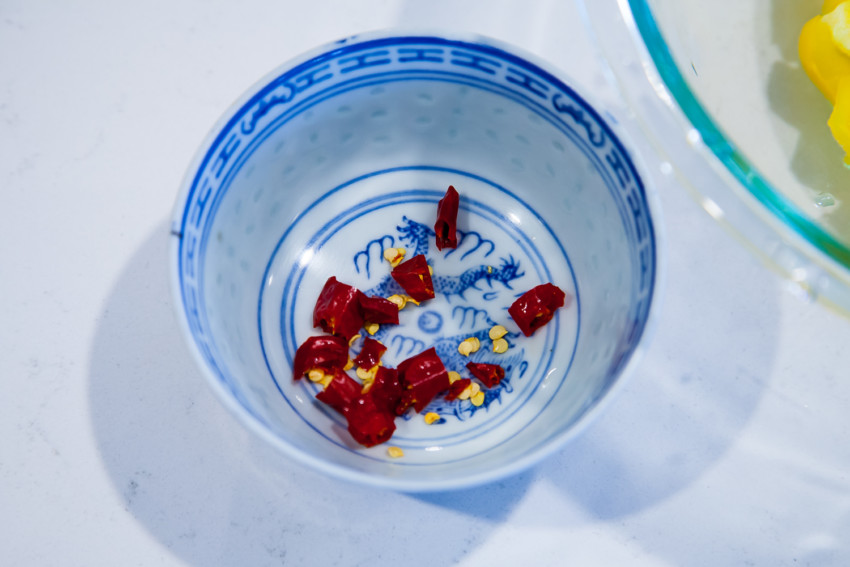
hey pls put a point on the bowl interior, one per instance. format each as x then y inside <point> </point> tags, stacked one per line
<point>734,70</point>
<point>346,152</point>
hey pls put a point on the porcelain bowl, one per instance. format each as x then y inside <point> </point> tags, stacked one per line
<point>344,152</point>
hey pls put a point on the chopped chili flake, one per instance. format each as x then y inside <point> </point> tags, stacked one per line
<point>378,310</point>
<point>325,353</point>
<point>415,277</point>
<point>489,374</point>
<point>456,388</point>
<point>536,307</point>
<point>446,225</point>
<point>370,354</point>
<point>386,390</point>
<point>369,423</point>
<point>422,377</point>
<point>340,392</point>
<point>338,310</point>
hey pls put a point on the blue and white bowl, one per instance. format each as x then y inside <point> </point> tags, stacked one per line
<point>344,152</point>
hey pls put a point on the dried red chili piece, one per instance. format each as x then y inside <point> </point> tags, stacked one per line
<point>340,392</point>
<point>378,310</point>
<point>326,353</point>
<point>415,277</point>
<point>446,225</point>
<point>421,377</point>
<point>369,423</point>
<point>456,388</point>
<point>370,354</point>
<point>536,307</point>
<point>385,390</point>
<point>489,374</point>
<point>338,309</point>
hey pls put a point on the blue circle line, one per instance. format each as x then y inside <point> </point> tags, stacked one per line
<point>291,333</point>
<point>428,196</point>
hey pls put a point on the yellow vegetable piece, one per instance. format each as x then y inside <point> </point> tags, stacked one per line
<point>830,5</point>
<point>824,49</point>
<point>821,57</point>
<point>839,121</point>
<point>838,21</point>
<point>395,452</point>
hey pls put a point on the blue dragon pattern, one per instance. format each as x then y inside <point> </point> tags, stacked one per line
<point>470,321</point>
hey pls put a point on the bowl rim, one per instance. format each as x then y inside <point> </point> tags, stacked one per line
<point>621,137</point>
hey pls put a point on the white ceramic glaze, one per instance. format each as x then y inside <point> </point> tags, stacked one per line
<point>344,152</point>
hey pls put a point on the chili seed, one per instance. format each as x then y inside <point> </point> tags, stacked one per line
<point>500,346</point>
<point>468,346</point>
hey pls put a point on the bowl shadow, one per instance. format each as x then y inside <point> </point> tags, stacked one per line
<point>213,494</point>
<point>697,387</point>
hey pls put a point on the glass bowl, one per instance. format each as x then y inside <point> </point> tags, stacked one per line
<point>718,89</point>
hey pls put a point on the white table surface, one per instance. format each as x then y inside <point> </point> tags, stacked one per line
<point>729,446</point>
